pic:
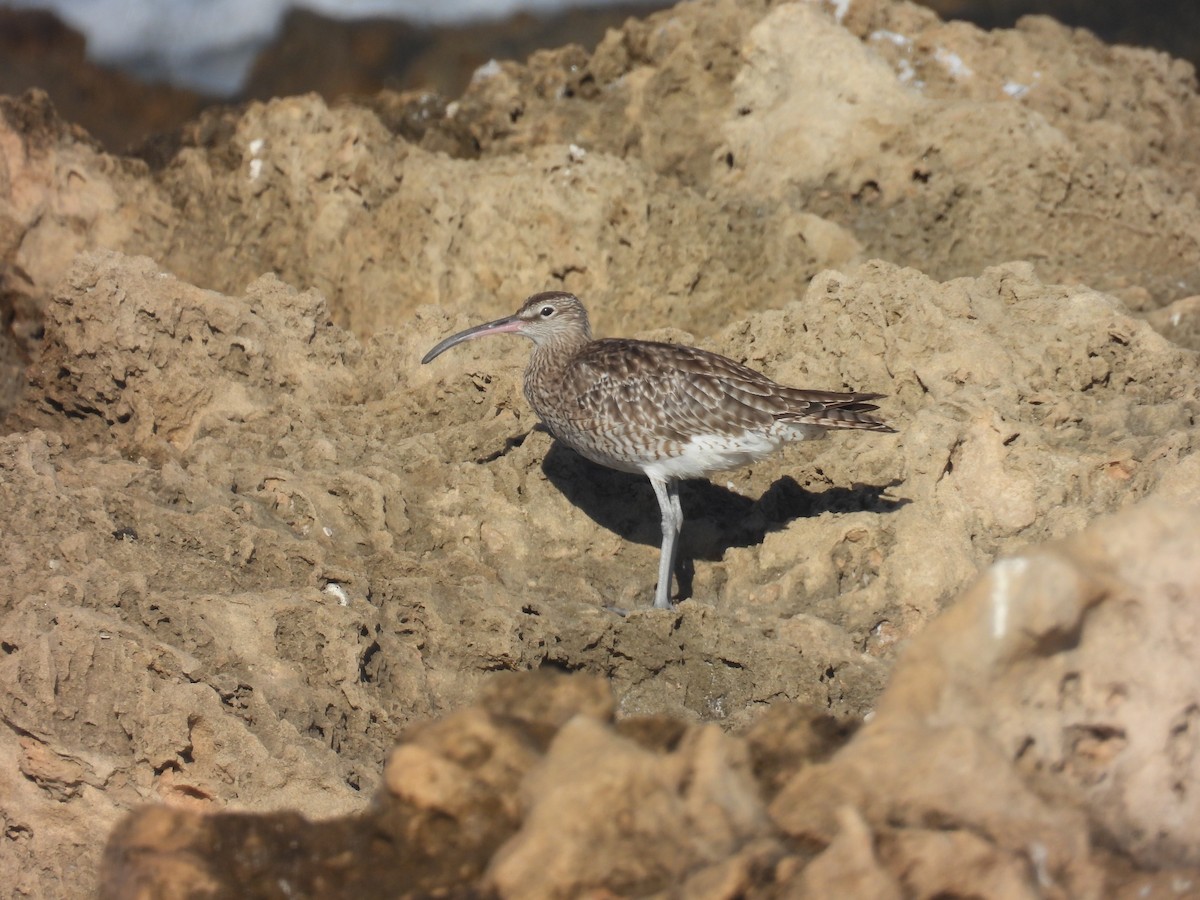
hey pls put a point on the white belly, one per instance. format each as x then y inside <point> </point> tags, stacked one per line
<point>705,454</point>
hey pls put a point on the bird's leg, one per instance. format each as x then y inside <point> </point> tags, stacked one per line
<point>667,493</point>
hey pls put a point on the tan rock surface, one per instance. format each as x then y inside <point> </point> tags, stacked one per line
<point>251,541</point>
<point>1052,705</point>
<point>1009,757</point>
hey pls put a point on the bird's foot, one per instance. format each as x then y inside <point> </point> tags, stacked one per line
<point>661,602</point>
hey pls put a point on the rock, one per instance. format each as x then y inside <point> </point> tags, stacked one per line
<point>1033,737</point>
<point>508,771</point>
<point>1042,677</point>
<point>253,542</point>
<point>37,50</point>
<point>1179,322</point>
<point>161,365</point>
<point>880,120</point>
<point>848,867</point>
<point>658,817</point>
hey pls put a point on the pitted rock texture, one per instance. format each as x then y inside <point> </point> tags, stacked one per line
<point>252,542</point>
<point>1008,757</point>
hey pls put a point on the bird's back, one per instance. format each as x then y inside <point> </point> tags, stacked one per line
<point>677,411</point>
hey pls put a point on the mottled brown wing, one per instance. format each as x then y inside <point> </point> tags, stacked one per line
<point>741,384</point>
<point>669,392</point>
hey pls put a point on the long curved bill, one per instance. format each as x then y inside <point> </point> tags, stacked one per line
<point>507,325</point>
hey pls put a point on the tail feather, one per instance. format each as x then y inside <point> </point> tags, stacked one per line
<point>836,410</point>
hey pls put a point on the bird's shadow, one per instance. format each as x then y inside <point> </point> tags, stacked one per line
<point>714,518</point>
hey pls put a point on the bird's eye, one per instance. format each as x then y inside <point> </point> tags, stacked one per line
<point>547,312</point>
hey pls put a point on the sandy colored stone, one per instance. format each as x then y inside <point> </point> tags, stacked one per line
<point>663,200</point>
<point>1041,676</point>
<point>154,855</point>
<point>893,145</point>
<point>934,862</point>
<point>922,800</point>
<point>1179,321</point>
<point>252,542</point>
<point>704,788</point>
<point>160,366</point>
<point>848,867</point>
<point>301,571</point>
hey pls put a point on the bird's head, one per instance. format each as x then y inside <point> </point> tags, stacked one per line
<point>544,318</point>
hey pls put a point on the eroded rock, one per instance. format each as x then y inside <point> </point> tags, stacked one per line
<point>1029,742</point>
<point>252,540</point>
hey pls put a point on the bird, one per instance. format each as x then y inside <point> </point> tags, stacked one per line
<point>666,411</point>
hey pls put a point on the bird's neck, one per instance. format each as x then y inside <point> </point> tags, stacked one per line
<point>556,354</point>
<point>548,366</point>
